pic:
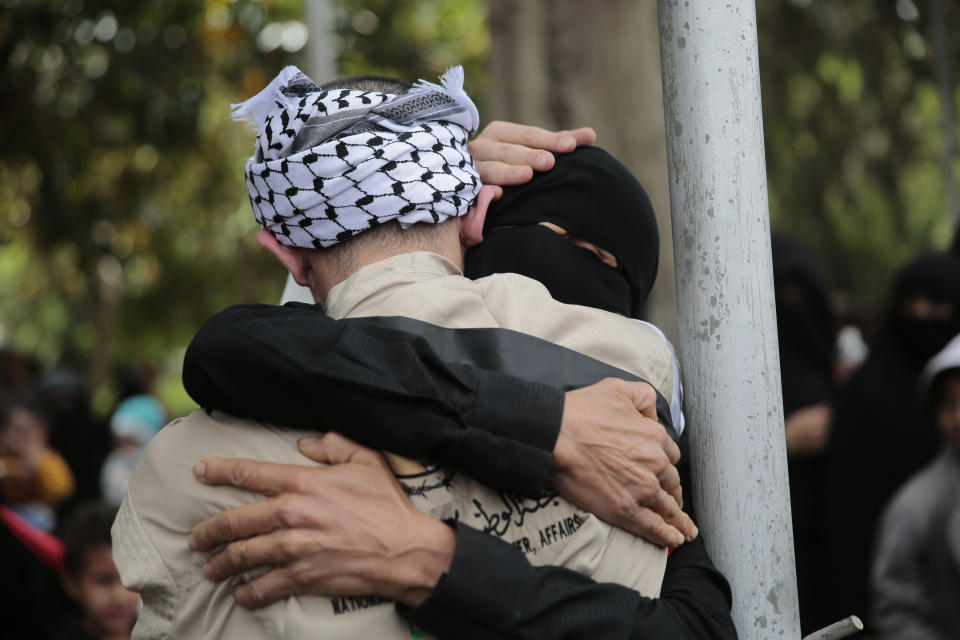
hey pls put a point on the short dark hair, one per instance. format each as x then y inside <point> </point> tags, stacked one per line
<point>86,528</point>
<point>417,237</point>
<point>29,401</point>
<point>383,84</point>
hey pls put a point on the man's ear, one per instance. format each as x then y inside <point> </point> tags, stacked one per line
<point>290,257</point>
<point>471,225</point>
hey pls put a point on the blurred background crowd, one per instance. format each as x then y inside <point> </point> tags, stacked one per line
<point>124,223</point>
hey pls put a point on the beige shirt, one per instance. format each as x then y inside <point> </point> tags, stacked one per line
<point>165,501</point>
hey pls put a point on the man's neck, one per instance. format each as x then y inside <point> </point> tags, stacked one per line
<point>328,274</point>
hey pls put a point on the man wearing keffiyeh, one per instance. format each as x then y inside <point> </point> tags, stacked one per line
<point>335,177</point>
<point>329,165</point>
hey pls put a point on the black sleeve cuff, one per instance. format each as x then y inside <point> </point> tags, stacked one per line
<point>525,412</point>
<point>478,591</point>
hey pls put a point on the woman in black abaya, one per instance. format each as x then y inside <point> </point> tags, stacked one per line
<point>880,435</point>
<point>806,327</point>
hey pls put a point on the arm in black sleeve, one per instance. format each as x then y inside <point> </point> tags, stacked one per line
<point>391,391</point>
<point>491,591</point>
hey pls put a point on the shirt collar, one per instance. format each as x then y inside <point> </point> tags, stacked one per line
<point>402,268</point>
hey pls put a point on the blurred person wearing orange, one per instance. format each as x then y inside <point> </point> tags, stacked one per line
<point>34,479</point>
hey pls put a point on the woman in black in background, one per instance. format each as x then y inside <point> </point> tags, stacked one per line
<point>806,327</point>
<point>880,435</point>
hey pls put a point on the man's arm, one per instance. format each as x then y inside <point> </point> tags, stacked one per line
<point>492,591</point>
<point>553,602</point>
<point>465,586</point>
<point>388,389</point>
<point>295,366</point>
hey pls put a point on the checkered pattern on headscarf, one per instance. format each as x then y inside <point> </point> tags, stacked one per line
<point>331,164</point>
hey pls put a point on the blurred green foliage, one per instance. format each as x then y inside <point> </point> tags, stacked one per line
<point>853,140</point>
<point>124,221</point>
<point>123,216</point>
<point>415,39</point>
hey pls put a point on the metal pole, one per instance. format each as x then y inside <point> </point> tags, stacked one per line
<point>941,37</point>
<point>842,629</point>
<point>322,63</point>
<point>321,66</point>
<point>728,333</point>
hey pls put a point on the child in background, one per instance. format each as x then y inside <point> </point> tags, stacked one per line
<point>134,422</point>
<point>916,568</point>
<point>90,578</point>
<point>34,478</point>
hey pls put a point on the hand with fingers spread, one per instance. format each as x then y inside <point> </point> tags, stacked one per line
<point>345,529</point>
<point>614,459</point>
<point>508,153</point>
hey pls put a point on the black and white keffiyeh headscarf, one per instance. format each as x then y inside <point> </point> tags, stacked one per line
<point>329,165</point>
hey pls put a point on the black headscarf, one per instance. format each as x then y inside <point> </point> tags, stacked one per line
<point>806,330</point>
<point>593,196</point>
<point>935,276</point>
<point>805,323</point>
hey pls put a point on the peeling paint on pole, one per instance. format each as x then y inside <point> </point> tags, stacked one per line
<point>728,334</point>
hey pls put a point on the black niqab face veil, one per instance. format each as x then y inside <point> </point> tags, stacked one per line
<point>805,320</point>
<point>935,276</point>
<point>594,197</point>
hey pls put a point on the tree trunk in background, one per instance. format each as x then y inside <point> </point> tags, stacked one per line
<point>941,36</point>
<point>321,67</point>
<point>109,284</point>
<point>321,54</point>
<point>561,64</point>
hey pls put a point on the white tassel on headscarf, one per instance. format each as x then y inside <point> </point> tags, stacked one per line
<point>257,109</point>
<point>451,84</point>
<point>414,144</point>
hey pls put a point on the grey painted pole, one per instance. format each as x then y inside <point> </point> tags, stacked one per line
<point>321,67</point>
<point>321,54</point>
<point>943,63</point>
<point>728,333</point>
<point>842,629</point>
